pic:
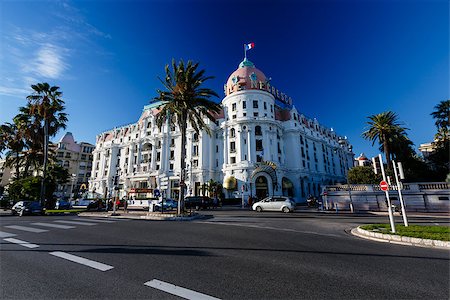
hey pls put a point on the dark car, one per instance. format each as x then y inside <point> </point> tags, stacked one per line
<point>62,204</point>
<point>27,208</point>
<point>198,202</point>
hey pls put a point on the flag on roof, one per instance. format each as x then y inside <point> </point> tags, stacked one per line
<point>249,46</point>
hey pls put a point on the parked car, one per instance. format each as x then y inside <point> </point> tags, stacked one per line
<point>140,203</point>
<point>276,203</point>
<point>198,202</point>
<point>169,204</point>
<point>27,208</point>
<point>62,204</point>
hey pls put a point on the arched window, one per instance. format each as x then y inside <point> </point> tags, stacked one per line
<point>258,130</point>
<point>195,137</point>
<point>232,132</point>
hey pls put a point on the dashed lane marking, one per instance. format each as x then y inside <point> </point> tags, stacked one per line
<point>24,228</point>
<point>53,225</point>
<point>82,260</point>
<point>178,290</point>
<point>21,243</point>
<point>76,223</point>
<point>6,234</point>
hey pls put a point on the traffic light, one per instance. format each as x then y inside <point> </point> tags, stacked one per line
<point>376,165</point>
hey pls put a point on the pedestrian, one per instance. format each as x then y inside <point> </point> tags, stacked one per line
<point>125,205</point>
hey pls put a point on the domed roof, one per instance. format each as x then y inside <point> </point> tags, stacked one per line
<point>247,76</point>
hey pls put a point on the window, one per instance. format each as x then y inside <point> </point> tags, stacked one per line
<point>301,140</point>
<point>255,103</point>
<point>233,116</point>
<point>217,149</point>
<point>233,107</point>
<point>265,106</point>
<point>255,114</point>
<point>244,104</point>
<point>259,145</point>
<point>232,147</point>
<point>195,150</point>
<point>271,108</point>
<point>259,158</point>
<point>172,143</point>
<point>171,167</point>
<point>233,159</point>
<point>232,133</point>
<point>172,154</point>
<point>157,167</point>
<point>158,156</point>
<point>195,163</point>
<point>258,130</point>
<point>195,137</point>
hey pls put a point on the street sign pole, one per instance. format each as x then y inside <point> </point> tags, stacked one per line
<point>405,219</point>
<point>391,215</point>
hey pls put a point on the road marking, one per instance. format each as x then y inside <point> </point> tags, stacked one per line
<point>76,223</point>
<point>83,261</point>
<point>178,290</point>
<point>272,228</point>
<point>94,220</point>
<point>21,243</point>
<point>6,234</point>
<point>53,225</point>
<point>24,228</point>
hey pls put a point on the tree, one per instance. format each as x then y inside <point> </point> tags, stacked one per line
<point>184,101</point>
<point>363,175</point>
<point>384,128</point>
<point>45,106</point>
<point>12,138</point>
<point>439,159</point>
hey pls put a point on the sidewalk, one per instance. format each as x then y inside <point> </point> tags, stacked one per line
<point>142,215</point>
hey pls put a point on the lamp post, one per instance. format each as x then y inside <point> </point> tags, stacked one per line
<point>74,176</point>
<point>116,188</point>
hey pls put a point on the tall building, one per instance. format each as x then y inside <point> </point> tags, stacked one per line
<point>76,158</point>
<point>260,145</point>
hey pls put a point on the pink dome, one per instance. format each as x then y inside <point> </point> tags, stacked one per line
<point>247,76</point>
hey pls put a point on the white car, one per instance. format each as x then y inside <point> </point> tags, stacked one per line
<point>276,203</point>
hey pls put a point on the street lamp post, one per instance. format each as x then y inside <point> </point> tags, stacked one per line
<point>116,188</point>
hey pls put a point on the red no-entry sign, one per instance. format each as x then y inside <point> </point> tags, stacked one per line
<point>384,185</point>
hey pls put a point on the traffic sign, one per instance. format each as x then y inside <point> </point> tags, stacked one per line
<point>384,185</point>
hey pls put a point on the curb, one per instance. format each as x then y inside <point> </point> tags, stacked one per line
<point>401,240</point>
<point>147,216</point>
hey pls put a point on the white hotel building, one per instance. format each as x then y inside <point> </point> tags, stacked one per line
<point>260,144</point>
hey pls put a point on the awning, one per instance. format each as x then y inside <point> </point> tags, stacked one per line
<point>266,169</point>
<point>230,183</point>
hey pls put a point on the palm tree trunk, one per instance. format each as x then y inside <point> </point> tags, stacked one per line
<point>44,173</point>
<point>17,164</point>
<point>182,164</point>
<point>386,153</point>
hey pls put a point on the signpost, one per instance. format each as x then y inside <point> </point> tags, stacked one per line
<point>399,188</point>
<point>384,186</point>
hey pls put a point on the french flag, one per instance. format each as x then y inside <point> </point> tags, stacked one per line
<point>249,46</point>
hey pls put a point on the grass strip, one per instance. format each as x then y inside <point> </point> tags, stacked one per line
<point>432,232</point>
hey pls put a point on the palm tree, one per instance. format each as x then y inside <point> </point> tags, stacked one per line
<point>184,101</point>
<point>12,138</point>
<point>441,115</point>
<point>385,128</point>
<point>45,106</point>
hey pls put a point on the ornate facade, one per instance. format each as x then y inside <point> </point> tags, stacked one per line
<point>260,145</point>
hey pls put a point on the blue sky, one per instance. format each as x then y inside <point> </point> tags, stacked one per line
<point>340,61</point>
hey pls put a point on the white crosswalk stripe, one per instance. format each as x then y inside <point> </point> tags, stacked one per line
<point>94,220</point>
<point>53,225</point>
<point>178,290</point>
<point>76,222</point>
<point>25,228</point>
<point>21,243</point>
<point>82,260</point>
<point>4,234</point>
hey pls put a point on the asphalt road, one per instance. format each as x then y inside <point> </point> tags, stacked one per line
<point>231,255</point>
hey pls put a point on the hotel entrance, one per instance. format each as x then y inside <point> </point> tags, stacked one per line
<point>261,186</point>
